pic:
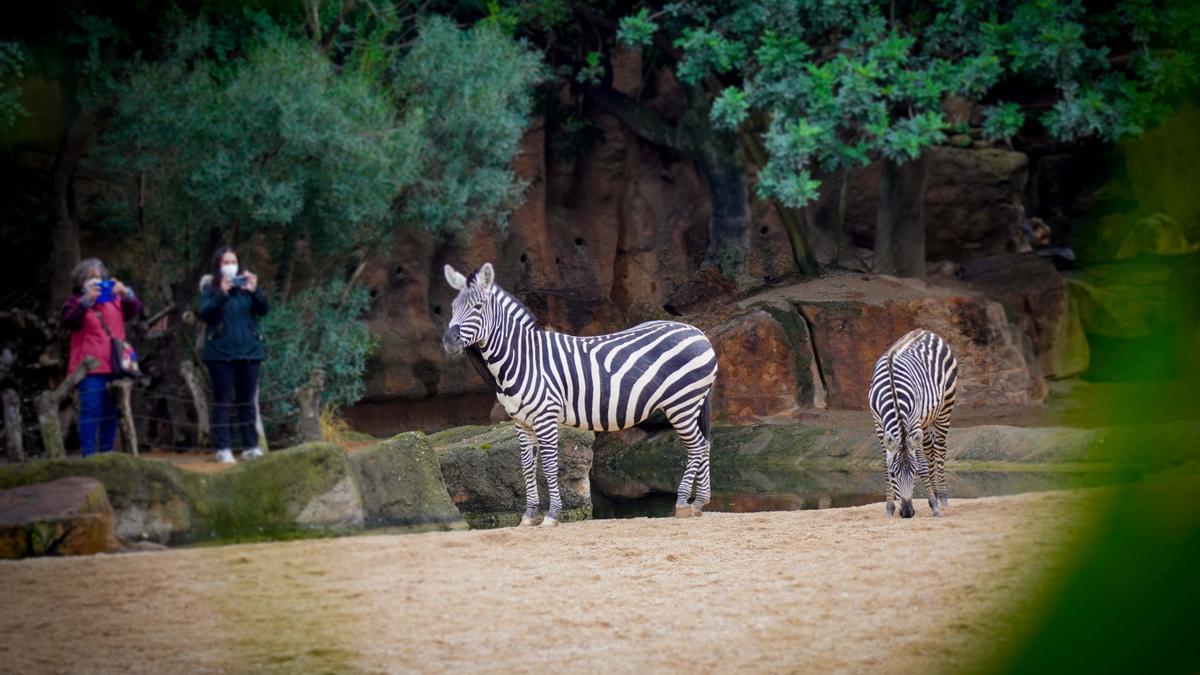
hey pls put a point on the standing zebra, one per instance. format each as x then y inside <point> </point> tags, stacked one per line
<point>911,397</point>
<point>601,383</point>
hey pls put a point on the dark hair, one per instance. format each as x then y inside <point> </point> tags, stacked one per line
<point>216,263</point>
<point>84,270</point>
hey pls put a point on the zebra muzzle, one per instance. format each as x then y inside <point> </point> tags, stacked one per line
<point>452,340</point>
<point>906,508</point>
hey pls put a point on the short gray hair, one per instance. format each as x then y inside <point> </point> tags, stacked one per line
<point>84,269</point>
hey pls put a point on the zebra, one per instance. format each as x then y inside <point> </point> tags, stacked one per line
<point>911,398</point>
<point>601,383</point>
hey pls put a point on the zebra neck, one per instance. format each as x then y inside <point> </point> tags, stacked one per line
<point>896,404</point>
<point>509,348</point>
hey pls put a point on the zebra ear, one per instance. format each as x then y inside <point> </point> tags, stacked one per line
<point>486,276</point>
<point>456,280</point>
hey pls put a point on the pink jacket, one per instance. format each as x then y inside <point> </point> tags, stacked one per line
<point>87,335</point>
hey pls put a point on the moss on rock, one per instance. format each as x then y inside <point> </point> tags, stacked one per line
<point>152,499</point>
<point>275,494</point>
<point>401,484</point>
<point>482,468</point>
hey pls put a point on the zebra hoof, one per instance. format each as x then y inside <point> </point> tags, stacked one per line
<point>685,511</point>
<point>890,509</point>
<point>527,521</point>
<point>549,522</point>
<point>944,501</point>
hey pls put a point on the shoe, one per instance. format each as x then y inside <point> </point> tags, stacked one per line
<point>226,457</point>
<point>252,453</point>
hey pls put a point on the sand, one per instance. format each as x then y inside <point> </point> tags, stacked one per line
<point>814,591</point>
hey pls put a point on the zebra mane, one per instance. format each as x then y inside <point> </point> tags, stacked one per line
<point>896,404</point>
<point>521,310</point>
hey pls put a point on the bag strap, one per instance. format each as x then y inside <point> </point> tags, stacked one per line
<point>103,323</point>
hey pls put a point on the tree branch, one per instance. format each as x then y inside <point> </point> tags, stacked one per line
<point>640,119</point>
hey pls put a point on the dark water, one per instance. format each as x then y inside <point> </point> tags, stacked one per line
<point>793,489</point>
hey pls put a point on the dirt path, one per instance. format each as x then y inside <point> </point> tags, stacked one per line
<point>813,591</point>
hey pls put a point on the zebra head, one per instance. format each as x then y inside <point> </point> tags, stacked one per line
<point>471,309</point>
<point>900,449</point>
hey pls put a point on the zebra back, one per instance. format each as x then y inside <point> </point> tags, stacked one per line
<point>913,381</point>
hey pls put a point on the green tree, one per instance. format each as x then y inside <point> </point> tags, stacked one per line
<point>313,154</point>
<point>828,85</point>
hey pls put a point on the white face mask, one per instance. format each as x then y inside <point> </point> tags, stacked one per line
<point>229,271</point>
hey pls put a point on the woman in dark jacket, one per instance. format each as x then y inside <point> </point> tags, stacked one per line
<point>230,304</point>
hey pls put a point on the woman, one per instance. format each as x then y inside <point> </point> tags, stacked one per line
<point>230,303</point>
<point>93,307</point>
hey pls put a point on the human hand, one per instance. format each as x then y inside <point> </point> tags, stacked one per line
<point>226,284</point>
<point>251,281</point>
<point>119,288</point>
<point>91,291</point>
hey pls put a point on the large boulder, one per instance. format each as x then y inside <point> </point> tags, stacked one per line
<point>401,484</point>
<point>854,318</point>
<point>68,516</point>
<point>152,500</point>
<point>308,487</point>
<point>482,468</point>
<point>1037,299</point>
<point>765,364</point>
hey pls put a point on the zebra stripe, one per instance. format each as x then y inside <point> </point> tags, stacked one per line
<point>599,383</point>
<point>911,398</point>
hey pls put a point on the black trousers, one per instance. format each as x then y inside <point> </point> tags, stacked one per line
<point>234,384</point>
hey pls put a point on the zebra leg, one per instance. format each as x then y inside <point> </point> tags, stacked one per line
<point>547,438</point>
<point>697,446</point>
<point>890,489</point>
<point>923,469</point>
<point>939,463</point>
<point>529,468</point>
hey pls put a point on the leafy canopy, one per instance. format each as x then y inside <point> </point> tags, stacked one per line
<point>836,83</point>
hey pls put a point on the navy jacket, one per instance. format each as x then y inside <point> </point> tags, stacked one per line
<point>232,319</point>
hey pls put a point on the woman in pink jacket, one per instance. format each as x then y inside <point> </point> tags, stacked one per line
<point>93,306</point>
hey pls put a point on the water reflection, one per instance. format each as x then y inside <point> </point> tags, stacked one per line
<point>797,488</point>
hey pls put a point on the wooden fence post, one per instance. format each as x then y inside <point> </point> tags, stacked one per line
<point>308,398</point>
<point>47,408</point>
<point>13,431</point>
<point>187,369</point>
<point>122,389</point>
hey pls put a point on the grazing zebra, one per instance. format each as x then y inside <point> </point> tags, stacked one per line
<point>601,383</point>
<point>911,397</point>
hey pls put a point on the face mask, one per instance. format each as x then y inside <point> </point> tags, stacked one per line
<point>229,271</point>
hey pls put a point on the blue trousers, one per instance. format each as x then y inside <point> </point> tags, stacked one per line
<point>97,415</point>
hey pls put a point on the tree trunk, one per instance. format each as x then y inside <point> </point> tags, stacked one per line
<point>900,222</point>
<point>794,223</point>
<point>14,433</point>
<point>730,226</point>
<point>66,230</point>
<point>122,391</point>
<point>308,399</point>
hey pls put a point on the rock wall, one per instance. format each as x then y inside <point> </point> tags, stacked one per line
<point>615,237</point>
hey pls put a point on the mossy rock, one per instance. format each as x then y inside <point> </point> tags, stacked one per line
<point>151,499</point>
<point>401,484</point>
<point>482,469</point>
<point>308,487</point>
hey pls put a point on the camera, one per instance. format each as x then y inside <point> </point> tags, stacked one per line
<point>106,288</point>
<point>239,281</point>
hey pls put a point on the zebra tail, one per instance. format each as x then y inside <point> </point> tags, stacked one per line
<point>705,415</point>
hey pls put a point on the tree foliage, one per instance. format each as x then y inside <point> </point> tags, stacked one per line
<point>259,135</point>
<point>320,328</point>
<point>836,83</point>
<point>12,65</point>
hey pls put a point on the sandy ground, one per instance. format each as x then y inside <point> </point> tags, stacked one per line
<point>816,591</point>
